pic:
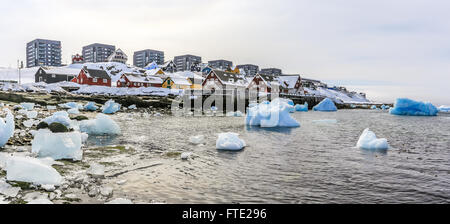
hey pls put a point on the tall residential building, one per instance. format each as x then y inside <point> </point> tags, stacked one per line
<point>220,64</point>
<point>271,71</point>
<point>250,70</point>
<point>185,62</point>
<point>43,53</point>
<point>97,52</point>
<point>145,57</point>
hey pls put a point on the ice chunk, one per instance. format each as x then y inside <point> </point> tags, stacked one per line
<point>444,109</point>
<point>96,170</point>
<point>7,127</point>
<point>384,107</point>
<point>8,190</point>
<point>132,107</point>
<point>185,155</point>
<point>73,111</point>
<point>110,107</point>
<point>326,105</point>
<point>302,108</point>
<point>408,107</point>
<point>31,170</point>
<point>102,125</point>
<point>373,107</point>
<point>196,140</point>
<point>120,201</point>
<point>32,114</point>
<point>59,117</point>
<point>369,141</point>
<point>30,123</point>
<point>229,141</point>
<point>90,106</point>
<point>2,104</point>
<point>57,145</point>
<point>51,107</point>
<point>271,114</point>
<point>71,105</point>
<point>27,106</point>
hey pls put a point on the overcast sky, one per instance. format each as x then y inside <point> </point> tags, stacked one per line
<point>386,48</point>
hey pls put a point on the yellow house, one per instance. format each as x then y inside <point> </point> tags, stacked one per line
<point>177,83</point>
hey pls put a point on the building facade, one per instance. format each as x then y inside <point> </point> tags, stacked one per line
<point>249,69</point>
<point>185,62</point>
<point>271,71</point>
<point>145,57</point>
<point>43,53</point>
<point>54,75</point>
<point>93,77</point>
<point>97,52</point>
<point>118,56</point>
<point>220,64</point>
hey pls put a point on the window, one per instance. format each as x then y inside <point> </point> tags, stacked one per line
<point>53,76</point>
<point>105,81</point>
<point>40,79</point>
<point>94,80</point>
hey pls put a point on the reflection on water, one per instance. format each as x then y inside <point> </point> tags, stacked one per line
<point>315,163</point>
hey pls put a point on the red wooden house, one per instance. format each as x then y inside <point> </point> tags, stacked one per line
<point>93,77</point>
<point>265,83</point>
<point>137,81</point>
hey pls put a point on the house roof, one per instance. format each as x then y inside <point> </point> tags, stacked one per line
<point>152,71</point>
<point>95,73</point>
<point>62,71</point>
<point>290,80</point>
<point>226,77</point>
<point>180,80</point>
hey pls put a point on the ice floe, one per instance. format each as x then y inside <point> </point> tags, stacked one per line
<point>271,114</point>
<point>57,145</point>
<point>110,107</point>
<point>31,170</point>
<point>408,107</point>
<point>73,111</point>
<point>230,141</point>
<point>102,125</point>
<point>197,140</point>
<point>369,141</point>
<point>326,105</point>
<point>444,109</point>
<point>302,108</point>
<point>7,127</point>
<point>27,106</point>
<point>59,117</point>
<point>90,106</point>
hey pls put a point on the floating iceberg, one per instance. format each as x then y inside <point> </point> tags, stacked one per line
<point>302,108</point>
<point>59,117</point>
<point>369,141</point>
<point>57,145</point>
<point>384,107</point>
<point>229,141</point>
<point>444,109</point>
<point>102,125</point>
<point>373,107</point>
<point>27,106</point>
<point>31,170</point>
<point>73,111</point>
<point>90,106</point>
<point>110,107</point>
<point>271,114</point>
<point>6,128</point>
<point>408,107</point>
<point>326,105</point>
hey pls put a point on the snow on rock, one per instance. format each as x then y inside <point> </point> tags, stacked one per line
<point>120,201</point>
<point>27,106</point>
<point>197,140</point>
<point>369,141</point>
<point>326,105</point>
<point>271,114</point>
<point>229,141</point>
<point>302,108</point>
<point>102,125</point>
<point>7,127</point>
<point>408,107</point>
<point>57,145</point>
<point>110,107</point>
<point>59,117</point>
<point>444,109</point>
<point>31,170</point>
<point>90,106</point>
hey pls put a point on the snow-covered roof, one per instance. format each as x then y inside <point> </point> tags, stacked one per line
<point>232,79</point>
<point>63,71</point>
<point>290,80</point>
<point>152,72</point>
<point>180,81</point>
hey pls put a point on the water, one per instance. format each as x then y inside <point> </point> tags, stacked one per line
<point>316,163</point>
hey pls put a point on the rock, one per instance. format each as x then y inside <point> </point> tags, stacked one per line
<point>106,191</point>
<point>58,128</point>
<point>81,118</point>
<point>48,187</point>
<point>121,182</point>
<point>93,192</point>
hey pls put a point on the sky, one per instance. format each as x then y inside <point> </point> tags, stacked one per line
<point>388,49</point>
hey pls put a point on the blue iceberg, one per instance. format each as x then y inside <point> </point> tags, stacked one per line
<point>326,105</point>
<point>373,107</point>
<point>369,141</point>
<point>27,106</point>
<point>271,114</point>
<point>302,108</point>
<point>59,117</point>
<point>384,107</point>
<point>444,109</point>
<point>110,107</point>
<point>102,125</point>
<point>71,105</point>
<point>90,106</point>
<point>6,128</point>
<point>408,107</point>
<point>230,141</point>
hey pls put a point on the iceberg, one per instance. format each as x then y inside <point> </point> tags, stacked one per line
<point>32,114</point>
<point>57,145</point>
<point>7,127</point>
<point>384,107</point>
<point>373,107</point>
<point>96,170</point>
<point>27,106</point>
<point>90,106</point>
<point>369,141</point>
<point>8,190</point>
<point>197,140</point>
<point>110,107</point>
<point>102,125</point>
<point>230,141</point>
<point>302,108</point>
<point>31,170</point>
<point>51,107</point>
<point>132,107</point>
<point>444,109</point>
<point>186,155</point>
<point>59,117</point>
<point>71,105</point>
<point>271,114</point>
<point>408,107</point>
<point>326,105</point>
<point>73,111</point>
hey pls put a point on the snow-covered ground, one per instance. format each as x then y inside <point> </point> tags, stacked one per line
<point>338,96</point>
<point>12,74</point>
